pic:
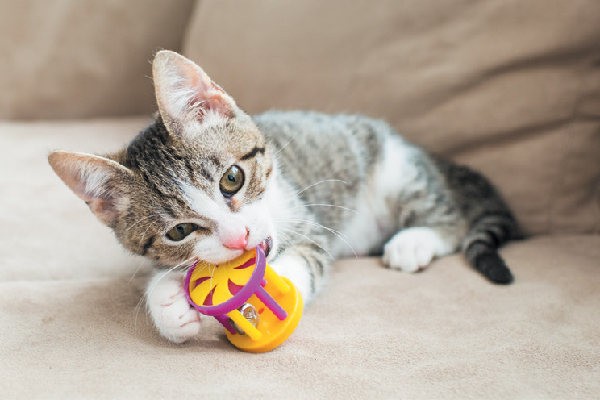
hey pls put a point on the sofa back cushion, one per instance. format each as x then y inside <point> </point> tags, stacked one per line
<point>509,87</point>
<point>83,58</point>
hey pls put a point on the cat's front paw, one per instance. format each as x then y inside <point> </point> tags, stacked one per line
<point>413,249</point>
<point>171,313</point>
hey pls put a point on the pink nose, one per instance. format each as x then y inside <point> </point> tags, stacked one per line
<point>237,241</point>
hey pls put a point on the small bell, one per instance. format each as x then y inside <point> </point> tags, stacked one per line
<point>250,313</point>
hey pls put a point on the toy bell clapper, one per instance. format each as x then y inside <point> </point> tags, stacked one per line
<point>258,308</point>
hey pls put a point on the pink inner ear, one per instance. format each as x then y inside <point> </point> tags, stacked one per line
<point>185,90</point>
<point>77,186</point>
<point>104,209</point>
<point>211,100</point>
<point>77,170</point>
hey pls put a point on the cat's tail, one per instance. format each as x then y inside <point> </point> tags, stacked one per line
<point>491,222</point>
<point>486,235</point>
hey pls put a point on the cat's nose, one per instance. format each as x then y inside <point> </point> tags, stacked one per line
<point>237,240</point>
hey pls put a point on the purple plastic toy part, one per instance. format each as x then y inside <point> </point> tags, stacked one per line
<point>271,304</point>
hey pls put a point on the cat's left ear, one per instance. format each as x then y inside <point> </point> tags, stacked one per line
<point>100,182</point>
<point>185,93</point>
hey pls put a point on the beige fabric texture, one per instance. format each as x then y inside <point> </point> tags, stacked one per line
<point>69,327</point>
<point>83,58</point>
<point>509,87</point>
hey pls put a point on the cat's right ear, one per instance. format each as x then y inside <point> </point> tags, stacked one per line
<point>100,182</point>
<point>185,94</point>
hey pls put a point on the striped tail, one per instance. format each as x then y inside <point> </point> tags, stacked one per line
<point>481,246</point>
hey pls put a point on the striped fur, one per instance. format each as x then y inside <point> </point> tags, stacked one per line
<point>316,188</point>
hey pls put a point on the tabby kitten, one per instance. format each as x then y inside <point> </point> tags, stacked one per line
<point>207,181</point>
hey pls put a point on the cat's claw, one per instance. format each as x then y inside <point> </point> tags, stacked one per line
<point>175,319</point>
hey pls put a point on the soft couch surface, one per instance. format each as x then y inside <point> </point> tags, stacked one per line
<point>71,326</point>
<point>509,87</point>
<point>83,58</point>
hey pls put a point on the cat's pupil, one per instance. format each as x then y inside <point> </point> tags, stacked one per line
<point>231,178</point>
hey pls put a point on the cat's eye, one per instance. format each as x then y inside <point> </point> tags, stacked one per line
<point>232,181</point>
<point>181,231</point>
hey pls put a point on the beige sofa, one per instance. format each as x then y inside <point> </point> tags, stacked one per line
<point>509,87</point>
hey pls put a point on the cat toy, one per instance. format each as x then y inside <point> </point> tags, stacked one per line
<point>258,308</point>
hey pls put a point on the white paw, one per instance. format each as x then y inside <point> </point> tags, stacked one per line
<point>171,313</point>
<point>413,249</point>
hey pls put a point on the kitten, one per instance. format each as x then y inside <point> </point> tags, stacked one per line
<point>207,181</point>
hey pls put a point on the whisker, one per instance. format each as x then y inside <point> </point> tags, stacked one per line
<point>150,226</point>
<point>212,274</point>
<point>327,180</point>
<point>286,239</point>
<point>309,239</point>
<point>325,205</point>
<point>339,234</point>
<point>137,310</point>
<point>145,218</point>
<point>316,224</point>
<point>284,146</point>
<point>136,270</point>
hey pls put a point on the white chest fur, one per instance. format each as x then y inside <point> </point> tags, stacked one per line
<point>373,223</point>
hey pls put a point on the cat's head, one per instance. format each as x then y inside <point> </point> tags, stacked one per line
<point>194,184</point>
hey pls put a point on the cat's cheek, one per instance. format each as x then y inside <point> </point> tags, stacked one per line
<point>259,221</point>
<point>172,253</point>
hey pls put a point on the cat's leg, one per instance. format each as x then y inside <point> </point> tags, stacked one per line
<point>171,313</point>
<point>424,210</point>
<point>305,265</point>
<point>413,249</point>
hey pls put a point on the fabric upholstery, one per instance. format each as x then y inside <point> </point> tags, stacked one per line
<point>374,333</point>
<point>83,58</point>
<point>509,87</point>
<point>71,326</point>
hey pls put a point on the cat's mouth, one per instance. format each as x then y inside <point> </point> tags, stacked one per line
<point>266,245</point>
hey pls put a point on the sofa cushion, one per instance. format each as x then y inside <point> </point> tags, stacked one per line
<point>47,232</point>
<point>509,87</point>
<point>83,58</point>
<point>72,323</point>
<point>373,333</point>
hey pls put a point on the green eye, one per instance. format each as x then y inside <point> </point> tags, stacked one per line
<point>180,231</point>
<point>232,181</point>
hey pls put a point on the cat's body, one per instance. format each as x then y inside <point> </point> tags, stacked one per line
<point>206,181</point>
